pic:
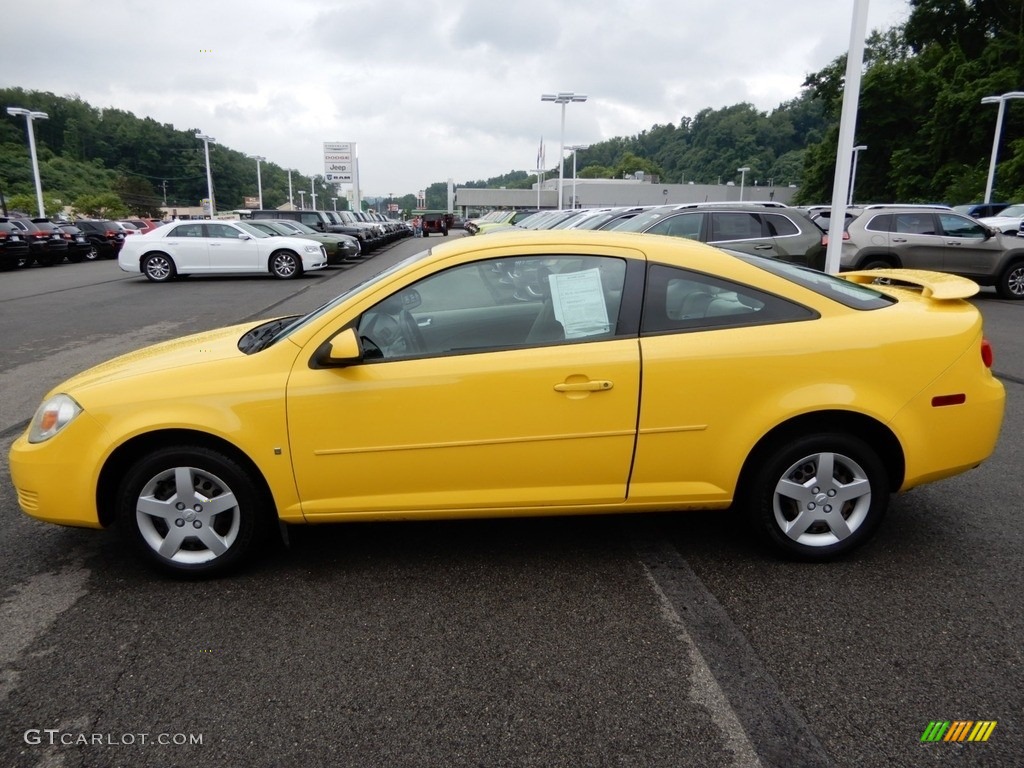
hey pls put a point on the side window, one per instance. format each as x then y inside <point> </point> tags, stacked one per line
<point>187,230</point>
<point>498,304</point>
<point>914,224</point>
<point>311,219</point>
<point>881,223</point>
<point>684,225</point>
<point>780,226</point>
<point>958,226</point>
<point>734,226</point>
<point>680,300</point>
<point>221,231</point>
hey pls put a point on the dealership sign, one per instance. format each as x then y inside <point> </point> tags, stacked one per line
<point>339,162</point>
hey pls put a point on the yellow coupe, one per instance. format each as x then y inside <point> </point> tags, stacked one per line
<point>531,373</point>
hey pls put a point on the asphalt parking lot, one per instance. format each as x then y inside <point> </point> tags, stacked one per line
<point>653,640</point>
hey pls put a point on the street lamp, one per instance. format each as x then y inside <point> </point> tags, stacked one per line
<point>1001,100</point>
<point>302,199</point>
<point>573,148</point>
<point>334,202</point>
<point>743,177</point>
<point>259,180</point>
<point>29,117</point>
<point>853,171</point>
<point>209,179</point>
<point>563,98</point>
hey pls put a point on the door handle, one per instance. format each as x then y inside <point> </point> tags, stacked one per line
<point>762,247</point>
<point>952,242</point>
<point>596,385</point>
<point>899,239</point>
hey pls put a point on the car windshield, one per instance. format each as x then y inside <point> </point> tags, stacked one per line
<point>298,226</point>
<point>299,322</point>
<point>250,229</point>
<point>641,221</point>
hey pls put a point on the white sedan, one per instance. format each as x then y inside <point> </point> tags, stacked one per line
<point>217,248</point>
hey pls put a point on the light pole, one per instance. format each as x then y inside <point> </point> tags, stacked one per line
<point>334,202</point>
<point>573,148</point>
<point>1001,100</point>
<point>29,117</point>
<point>853,171</point>
<point>743,178</point>
<point>563,98</point>
<point>209,179</point>
<point>259,180</point>
<point>312,190</point>
<point>302,199</point>
<point>291,197</point>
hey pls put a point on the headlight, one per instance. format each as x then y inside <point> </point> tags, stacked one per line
<point>51,417</point>
<point>312,249</point>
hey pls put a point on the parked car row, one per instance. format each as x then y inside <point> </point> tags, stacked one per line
<point>929,237</point>
<point>762,229</point>
<point>372,230</point>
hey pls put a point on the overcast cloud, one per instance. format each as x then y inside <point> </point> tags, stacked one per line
<point>429,90</point>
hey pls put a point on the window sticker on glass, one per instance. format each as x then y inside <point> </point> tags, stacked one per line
<point>578,302</point>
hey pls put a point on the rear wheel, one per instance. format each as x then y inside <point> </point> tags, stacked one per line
<point>876,262</point>
<point>192,511</point>
<point>1011,282</point>
<point>818,496</point>
<point>285,265</point>
<point>93,253</point>
<point>158,267</point>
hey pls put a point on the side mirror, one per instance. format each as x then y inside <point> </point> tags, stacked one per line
<point>244,236</point>
<point>339,351</point>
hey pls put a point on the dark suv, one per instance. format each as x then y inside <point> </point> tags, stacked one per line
<point>321,221</point>
<point>939,239</point>
<point>14,251</point>
<point>762,229</point>
<point>47,245</point>
<point>105,237</point>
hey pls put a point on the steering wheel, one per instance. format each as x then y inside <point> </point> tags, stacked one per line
<point>395,335</point>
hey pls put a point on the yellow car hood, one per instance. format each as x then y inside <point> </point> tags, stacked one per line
<point>197,349</point>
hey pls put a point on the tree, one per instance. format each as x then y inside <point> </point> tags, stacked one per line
<point>105,205</point>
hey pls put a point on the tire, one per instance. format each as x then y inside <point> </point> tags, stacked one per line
<point>93,253</point>
<point>285,265</point>
<point>874,262</point>
<point>158,267</point>
<point>792,497</point>
<point>192,511</point>
<point>1011,282</point>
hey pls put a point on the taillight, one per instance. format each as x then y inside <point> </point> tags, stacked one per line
<point>987,355</point>
<point>824,238</point>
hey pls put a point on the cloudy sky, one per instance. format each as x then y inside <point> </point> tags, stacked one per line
<point>431,89</point>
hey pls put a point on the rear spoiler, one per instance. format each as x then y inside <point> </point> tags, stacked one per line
<point>934,285</point>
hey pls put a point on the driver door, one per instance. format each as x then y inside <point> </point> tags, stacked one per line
<point>476,392</point>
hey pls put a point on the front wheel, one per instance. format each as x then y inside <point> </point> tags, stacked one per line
<point>1011,282</point>
<point>191,511</point>
<point>158,267</point>
<point>819,496</point>
<point>285,265</point>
